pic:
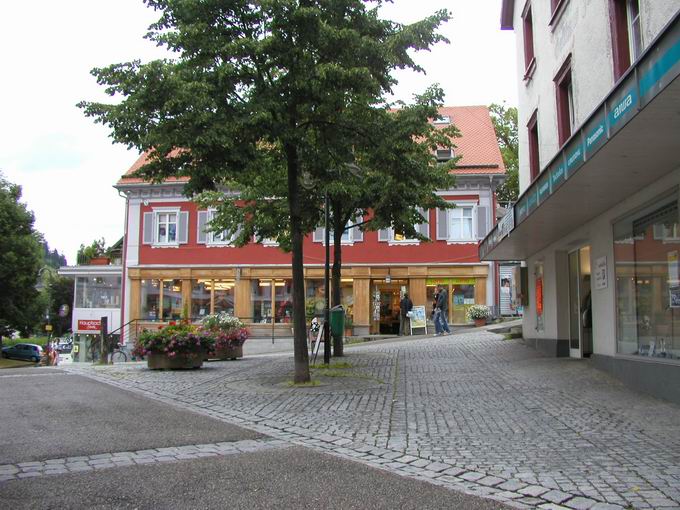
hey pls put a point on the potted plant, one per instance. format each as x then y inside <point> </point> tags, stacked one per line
<point>228,334</point>
<point>478,314</point>
<point>180,346</point>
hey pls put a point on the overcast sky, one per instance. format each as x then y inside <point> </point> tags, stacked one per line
<point>67,165</point>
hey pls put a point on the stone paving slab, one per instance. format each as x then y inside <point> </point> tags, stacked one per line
<point>491,417</point>
<point>120,459</point>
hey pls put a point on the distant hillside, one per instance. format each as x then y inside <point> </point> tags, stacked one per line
<point>52,257</point>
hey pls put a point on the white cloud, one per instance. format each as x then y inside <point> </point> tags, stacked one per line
<point>67,164</point>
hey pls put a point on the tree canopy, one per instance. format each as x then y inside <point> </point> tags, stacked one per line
<point>21,257</point>
<point>505,122</point>
<point>263,95</point>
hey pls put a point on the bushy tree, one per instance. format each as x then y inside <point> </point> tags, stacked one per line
<point>96,249</point>
<point>505,123</point>
<point>259,92</point>
<point>21,257</point>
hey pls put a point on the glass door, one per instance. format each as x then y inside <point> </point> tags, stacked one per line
<point>580,304</point>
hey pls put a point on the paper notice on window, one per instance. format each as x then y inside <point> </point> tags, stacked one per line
<point>673,276</point>
<point>601,273</point>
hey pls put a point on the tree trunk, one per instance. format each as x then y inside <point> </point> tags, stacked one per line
<point>299,322</point>
<point>338,230</point>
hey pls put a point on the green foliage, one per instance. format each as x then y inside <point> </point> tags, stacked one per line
<point>59,290</point>
<point>505,122</point>
<point>94,250</point>
<point>267,103</point>
<point>52,258</point>
<point>174,340</point>
<point>21,256</point>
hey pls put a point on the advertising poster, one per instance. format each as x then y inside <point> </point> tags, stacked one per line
<point>601,273</point>
<point>539,297</point>
<point>673,280</point>
<point>418,320</point>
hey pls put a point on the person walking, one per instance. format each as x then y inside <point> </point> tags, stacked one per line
<point>405,306</point>
<point>442,311</point>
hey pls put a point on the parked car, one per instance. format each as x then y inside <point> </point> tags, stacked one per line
<point>30,352</point>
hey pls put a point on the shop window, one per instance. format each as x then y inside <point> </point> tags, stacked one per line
<point>201,298</point>
<point>626,34</point>
<point>261,299</point>
<point>283,301</point>
<point>151,299</point>
<point>534,162</point>
<point>565,102</point>
<point>648,280</point>
<point>461,296</point>
<point>98,291</point>
<point>223,296</point>
<point>315,298</point>
<point>172,299</point>
<point>165,227</point>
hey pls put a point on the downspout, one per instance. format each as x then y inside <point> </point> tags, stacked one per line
<point>124,262</point>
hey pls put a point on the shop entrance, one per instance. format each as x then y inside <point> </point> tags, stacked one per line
<point>385,298</point>
<point>580,304</point>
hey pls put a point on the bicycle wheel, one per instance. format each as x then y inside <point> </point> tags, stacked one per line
<point>119,357</point>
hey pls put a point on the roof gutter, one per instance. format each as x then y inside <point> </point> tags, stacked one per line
<point>507,14</point>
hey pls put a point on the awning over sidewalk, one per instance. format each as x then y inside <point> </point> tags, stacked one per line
<point>629,142</point>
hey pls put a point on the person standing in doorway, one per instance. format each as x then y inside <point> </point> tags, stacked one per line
<point>405,306</point>
<point>442,311</point>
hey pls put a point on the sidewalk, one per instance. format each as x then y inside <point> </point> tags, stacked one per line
<point>469,411</point>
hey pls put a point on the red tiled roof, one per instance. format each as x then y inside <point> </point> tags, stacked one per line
<point>477,145</point>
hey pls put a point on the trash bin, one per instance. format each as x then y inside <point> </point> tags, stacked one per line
<point>337,318</point>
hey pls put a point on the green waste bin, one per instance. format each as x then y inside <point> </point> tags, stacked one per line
<point>337,318</point>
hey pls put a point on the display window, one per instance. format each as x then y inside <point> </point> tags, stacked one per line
<point>647,258</point>
<point>98,291</point>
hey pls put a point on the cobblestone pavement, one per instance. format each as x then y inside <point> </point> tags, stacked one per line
<point>470,411</point>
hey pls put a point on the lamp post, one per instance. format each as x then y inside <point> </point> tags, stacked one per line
<point>327,284</point>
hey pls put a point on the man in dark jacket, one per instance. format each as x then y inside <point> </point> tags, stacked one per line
<point>405,305</point>
<point>442,310</point>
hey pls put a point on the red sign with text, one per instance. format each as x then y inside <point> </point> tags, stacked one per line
<point>89,325</point>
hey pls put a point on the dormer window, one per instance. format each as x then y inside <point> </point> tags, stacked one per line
<point>443,119</point>
<point>444,154</point>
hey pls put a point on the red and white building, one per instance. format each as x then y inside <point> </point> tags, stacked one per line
<point>172,267</point>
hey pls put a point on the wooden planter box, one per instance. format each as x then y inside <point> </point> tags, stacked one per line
<point>158,361</point>
<point>224,353</point>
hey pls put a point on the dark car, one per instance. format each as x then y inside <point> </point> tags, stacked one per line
<point>30,352</point>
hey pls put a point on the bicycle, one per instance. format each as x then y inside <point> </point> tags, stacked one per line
<point>119,355</point>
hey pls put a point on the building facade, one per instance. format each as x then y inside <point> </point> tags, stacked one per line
<point>597,219</point>
<point>173,267</point>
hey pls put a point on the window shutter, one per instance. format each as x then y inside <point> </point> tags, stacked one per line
<point>317,237</point>
<point>482,229</point>
<point>442,224</point>
<point>357,234</point>
<point>148,228</point>
<point>183,227</point>
<point>202,235</point>
<point>424,228</point>
<point>383,235</point>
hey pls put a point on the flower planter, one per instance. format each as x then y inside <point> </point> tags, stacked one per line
<point>480,322</point>
<point>224,353</point>
<point>161,361</point>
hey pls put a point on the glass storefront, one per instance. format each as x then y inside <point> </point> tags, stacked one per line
<point>314,298</point>
<point>224,296</point>
<point>283,296</point>
<point>98,291</point>
<point>261,298</point>
<point>201,295</point>
<point>172,299</point>
<point>647,257</point>
<point>461,292</point>
<point>150,293</point>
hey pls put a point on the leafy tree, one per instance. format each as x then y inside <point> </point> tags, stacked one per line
<point>59,292</point>
<point>257,93</point>
<point>395,174</point>
<point>94,250</point>
<point>505,122</point>
<point>21,257</point>
<point>52,258</point>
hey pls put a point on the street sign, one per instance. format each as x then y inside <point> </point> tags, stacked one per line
<point>48,327</point>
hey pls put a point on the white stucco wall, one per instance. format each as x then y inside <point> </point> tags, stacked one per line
<point>582,30</point>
